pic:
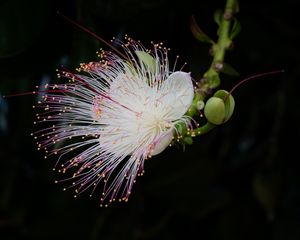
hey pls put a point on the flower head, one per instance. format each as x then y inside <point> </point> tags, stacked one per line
<point>113,115</point>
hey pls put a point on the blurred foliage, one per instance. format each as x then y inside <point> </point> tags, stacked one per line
<point>238,182</point>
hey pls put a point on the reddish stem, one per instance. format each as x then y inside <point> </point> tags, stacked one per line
<point>254,77</point>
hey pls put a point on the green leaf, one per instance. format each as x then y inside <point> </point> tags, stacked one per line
<point>236,28</point>
<point>218,15</point>
<point>229,70</point>
<point>146,59</point>
<point>198,33</point>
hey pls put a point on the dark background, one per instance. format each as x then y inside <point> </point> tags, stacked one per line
<point>238,182</point>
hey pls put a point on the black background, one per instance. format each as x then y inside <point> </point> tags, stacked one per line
<point>238,182</point>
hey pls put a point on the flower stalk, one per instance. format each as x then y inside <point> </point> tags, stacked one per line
<point>211,78</point>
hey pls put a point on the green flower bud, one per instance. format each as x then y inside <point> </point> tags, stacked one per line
<point>214,110</point>
<point>219,108</point>
<point>200,105</point>
<point>188,140</point>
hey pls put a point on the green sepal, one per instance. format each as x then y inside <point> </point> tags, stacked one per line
<point>131,69</point>
<point>188,140</point>
<point>146,59</point>
<point>228,101</point>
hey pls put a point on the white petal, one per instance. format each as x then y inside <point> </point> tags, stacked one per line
<point>178,94</point>
<point>162,143</point>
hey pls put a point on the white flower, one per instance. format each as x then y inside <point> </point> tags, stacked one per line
<point>111,119</point>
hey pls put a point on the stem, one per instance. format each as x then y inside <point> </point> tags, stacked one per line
<point>204,129</point>
<point>219,49</point>
<point>211,77</point>
<point>224,41</point>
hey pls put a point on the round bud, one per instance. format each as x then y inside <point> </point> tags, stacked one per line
<point>200,105</point>
<point>219,108</point>
<point>214,110</point>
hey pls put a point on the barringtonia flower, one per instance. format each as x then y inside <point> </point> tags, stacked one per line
<point>112,116</point>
